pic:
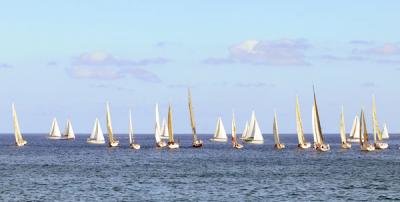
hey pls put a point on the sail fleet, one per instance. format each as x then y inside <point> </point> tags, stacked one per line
<point>251,133</point>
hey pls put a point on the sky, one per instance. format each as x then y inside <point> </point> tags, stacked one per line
<point>66,59</point>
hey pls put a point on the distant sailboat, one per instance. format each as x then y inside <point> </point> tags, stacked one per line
<point>130,134</point>
<point>378,137</point>
<point>19,140</point>
<point>254,135</point>
<point>55,133</point>
<point>157,130</point>
<point>196,142</point>
<point>164,130</point>
<point>68,132</point>
<point>354,135</point>
<point>345,144</point>
<point>303,144</point>
<point>278,144</point>
<point>96,137</point>
<point>319,144</point>
<point>171,142</point>
<point>220,133</point>
<point>365,145</point>
<point>235,143</point>
<point>112,142</point>
<point>385,132</point>
<point>246,128</point>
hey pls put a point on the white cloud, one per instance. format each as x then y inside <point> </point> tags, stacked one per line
<point>387,49</point>
<point>103,58</point>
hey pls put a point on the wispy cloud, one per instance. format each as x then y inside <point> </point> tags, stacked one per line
<point>103,59</point>
<point>387,49</point>
<point>5,66</point>
<point>253,85</point>
<point>368,84</point>
<point>52,63</point>
<point>361,42</point>
<point>256,52</point>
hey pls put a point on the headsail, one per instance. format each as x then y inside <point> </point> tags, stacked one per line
<point>97,133</point>
<point>276,130</point>
<point>385,132</point>
<point>316,122</point>
<point>245,131</point>
<point>220,132</point>
<point>364,128</point>
<point>130,129</point>
<point>377,131</point>
<point>55,130</point>
<point>254,132</point>
<point>69,131</point>
<point>299,124</point>
<point>19,140</point>
<point>342,128</point>
<point>111,138</point>
<point>157,130</point>
<point>355,129</point>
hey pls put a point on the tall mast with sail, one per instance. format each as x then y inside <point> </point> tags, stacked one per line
<point>55,133</point>
<point>278,144</point>
<point>378,137</point>
<point>254,135</point>
<point>345,144</point>
<point>196,142</point>
<point>171,142</point>
<point>317,131</point>
<point>365,145</point>
<point>97,136</point>
<point>303,144</point>
<point>220,133</point>
<point>235,144</point>
<point>157,130</point>
<point>132,143</point>
<point>112,142</point>
<point>19,140</point>
<point>69,131</point>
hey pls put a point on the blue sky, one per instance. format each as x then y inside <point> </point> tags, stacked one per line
<point>65,59</point>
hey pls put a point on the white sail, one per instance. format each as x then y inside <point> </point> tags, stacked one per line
<point>157,130</point>
<point>254,133</point>
<point>246,128</point>
<point>19,140</point>
<point>164,130</point>
<point>355,129</point>
<point>314,125</point>
<point>97,135</point>
<point>385,132</point>
<point>220,132</point>
<point>342,128</point>
<point>130,128</point>
<point>55,130</point>
<point>276,130</point>
<point>299,124</point>
<point>69,131</point>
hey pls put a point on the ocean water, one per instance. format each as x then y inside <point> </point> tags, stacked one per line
<point>49,170</point>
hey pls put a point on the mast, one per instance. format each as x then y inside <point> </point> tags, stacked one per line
<point>300,131</point>
<point>377,131</point>
<point>320,136</point>
<point>109,126</point>
<point>276,130</point>
<point>170,129</point>
<point>130,129</point>
<point>342,127</point>
<point>192,121</point>
<point>233,129</point>
<point>17,131</point>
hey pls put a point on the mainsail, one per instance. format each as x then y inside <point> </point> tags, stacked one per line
<point>234,140</point>
<point>164,130</point>
<point>220,132</point>
<point>246,128</point>
<point>355,129</point>
<point>254,132</point>
<point>377,131</point>
<point>54,130</point>
<point>385,132</point>
<point>19,140</point>
<point>276,130</point>
<point>157,130</point>
<point>192,121</point>
<point>363,128</point>
<point>111,139</point>
<point>342,128</point>
<point>130,129</point>
<point>299,124</point>
<point>69,131</point>
<point>97,133</point>
<point>170,129</point>
<point>317,131</point>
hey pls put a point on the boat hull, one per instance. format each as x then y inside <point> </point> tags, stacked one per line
<point>113,144</point>
<point>135,146</point>
<point>238,146</point>
<point>279,146</point>
<point>89,141</point>
<point>173,145</point>
<point>197,144</point>
<point>54,138</point>
<point>367,147</point>
<point>305,145</point>
<point>251,141</point>
<point>322,147</point>
<point>381,145</point>
<point>20,144</point>
<point>161,144</point>
<point>345,145</point>
<point>219,139</point>
<point>354,140</point>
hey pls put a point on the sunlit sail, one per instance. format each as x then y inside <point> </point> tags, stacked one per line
<point>19,140</point>
<point>171,142</point>
<point>246,128</point>
<point>278,144</point>
<point>164,130</point>
<point>68,132</point>
<point>97,136</point>
<point>354,135</point>
<point>157,130</point>
<point>196,142</point>
<point>132,143</point>
<point>317,130</point>
<point>235,143</point>
<point>365,145</point>
<point>220,133</point>
<point>345,144</point>
<point>303,144</point>
<point>385,132</point>
<point>254,135</point>
<point>55,133</point>
<point>378,137</point>
<point>112,142</point>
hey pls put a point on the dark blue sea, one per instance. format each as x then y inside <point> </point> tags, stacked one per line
<point>48,170</point>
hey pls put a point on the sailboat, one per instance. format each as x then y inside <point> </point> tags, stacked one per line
<point>378,139</point>
<point>130,134</point>
<point>365,145</point>
<point>246,128</point>
<point>319,144</point>
<point>220,133</point>
<point>164,130</point>
<point>55,133</point>
<point>385,132</point>
<point>68,132</point>
<point>96,137</point>
<point>354,135</point>
<point>157,131</point>
<point>345,144</point>
<point>235,143</point>
<point>303,144</point>
<point>278,144</point>
<point>196,142</point>
<point>19,140</point>
<point>254,135</point>
<point>112,142</point>
<point>171,142</point>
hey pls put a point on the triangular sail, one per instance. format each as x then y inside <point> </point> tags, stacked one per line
<point>170,129</point>
<point>97,132</point>
<point>385,132</point>
<point>355,129</point>
<point>164,130</point>
<point>55,129</point>
<point>130,129</point>
<point>276,130</point>
<point>364,128</point>
<point>377,131</point>
<point>234,140</point>
<point>220,132</point>
<point>245,131</point>
<point>318,130</point>
<point>17,132</point>
<point>192,121</point>
<point>109,125</point>
<point>299,124</point>
<point>342,128</point>
<point>254,131</point>
<point>69,131</point>
<point>157,130</point>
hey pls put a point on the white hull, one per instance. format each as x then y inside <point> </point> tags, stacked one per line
<point>113,144</point>
<point>54,138</point>
<point>173,145</point>
<point>219,139</point>
<point>381,145</point>
<point>279,146</point>
<point>354,140</point>
<point>20,144</point>
<point>238,146</point>
<point>322,147</point>
<point>161,144</point>
<point>306,145</point>
<point>135,146</point>
<point>345,145</point>
<point>68,138</point>
<point>254,141</point>
<point>89,141</point>
<point>367,147</point>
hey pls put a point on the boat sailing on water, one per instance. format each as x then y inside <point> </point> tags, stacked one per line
<point>253,133</point>
<point>196,142</point>
<point>97,136</point>
<point>171,142</point>
<point>378,137</point>
<point>19,140</point>
<point>246,128</point>
<point>132,143</point>
<point>278,144</point>
<point>112,141</point>
<point>164,130</point>
<point>68,132</point>
<point>364,144</point>
<point>303,144</point>
<point>157,131</point>
<point>220,133</point>
<point>319,144</point>
<point>354,135</point>
<point>235,143</point>
<point>385,132</point>
<point>55,133</point>
<point>345,144</point>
